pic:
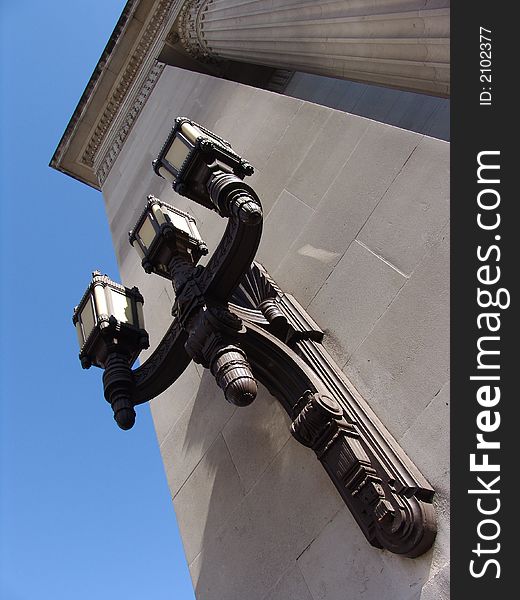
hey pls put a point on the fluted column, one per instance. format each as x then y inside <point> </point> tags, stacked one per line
<point>397,43</point>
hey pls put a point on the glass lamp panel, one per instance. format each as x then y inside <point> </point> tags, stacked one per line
<point>178,221</point>
<point>140,315</point>
<point>87,317</point>
<point>163,171</point>
<point>81,339</point>
<point>146,232</point>
<point>194,231</point>
<point>121,307</point>
<point>191,132</point>
<point>178,152</point>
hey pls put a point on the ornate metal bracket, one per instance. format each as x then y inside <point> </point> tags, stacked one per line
<point>389,498</point>
<point>232,318</point>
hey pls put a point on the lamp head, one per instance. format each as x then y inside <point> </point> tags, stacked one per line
<point>162,232</point>
<point>109,314</point>
<point>191,154</point>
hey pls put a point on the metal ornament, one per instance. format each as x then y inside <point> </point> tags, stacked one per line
<point>232,318</point>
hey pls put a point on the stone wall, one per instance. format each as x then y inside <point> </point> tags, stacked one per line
<point>357,229</point>
<point>408,110</point>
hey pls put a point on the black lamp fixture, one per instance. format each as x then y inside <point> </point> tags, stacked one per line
<point>232,318</point>
<point>109,322</point>
<point>164,233</point>
<point>190,157</point>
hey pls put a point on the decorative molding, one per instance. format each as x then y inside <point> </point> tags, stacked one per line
<point>95,78</point>
<point>117,91</point>
<point>130,118</point>
<point>316,425</point>
<point>126,81</point>
<point>190,30</point>
<point>390,500</point>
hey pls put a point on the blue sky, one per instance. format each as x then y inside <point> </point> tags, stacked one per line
<point>85,511</point>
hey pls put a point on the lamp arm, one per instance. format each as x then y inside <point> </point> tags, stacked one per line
<point>163,367</point>
<point>232,258</point>
<point>232,318</point>
<point>236,251</point>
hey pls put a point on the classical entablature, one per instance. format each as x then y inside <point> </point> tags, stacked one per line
<point>402,44</point>
<point>118,89</point>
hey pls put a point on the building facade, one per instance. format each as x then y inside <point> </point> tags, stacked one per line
<point>343,110</point>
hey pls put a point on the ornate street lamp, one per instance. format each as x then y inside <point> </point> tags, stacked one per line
<point>232,318</point>
<point>110,326</point>
<point>163,234</point>
<point>189,157</point>
<point>169,244</point>
<point>199,165</point>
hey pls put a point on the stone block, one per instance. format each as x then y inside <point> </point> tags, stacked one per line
<point>353,298</point>
<point>341,565</point>
<point>157,308</point>
<point>427,441</point>
<point>404,361</point>
<point>211,227</point>
<point>269,114</point>
<point>356,191</point>
<point>168,407</point>
<point>208,100</point>
<point>291,536</point>
<point>313,88</point>
<point>255,435</point>
<point>207,499</point>
<point>327,155</point>
<point>440,552</point>
<point>376,103</point>
<point>344,95</point>
<point>439,587</point>
<point>410,217</point>
<point>279,518</point>
<point>439,124</point>
<point>254,121</point>
<point>132,272</point>
<point>290,215</point>
<point>285,157</point>
<point>291,586</point>
<point>132,190</point>
<point>413,111</point>
<point>231,565</point>
<point>194,432</point>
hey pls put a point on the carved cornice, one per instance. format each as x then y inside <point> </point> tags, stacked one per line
<point>117,91</point>
<point>120,135</point>
<point>120,92</point>
<point>86,97</point>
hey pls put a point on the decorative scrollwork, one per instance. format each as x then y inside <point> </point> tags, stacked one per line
<point>257,291</point>
<point>316,426</point>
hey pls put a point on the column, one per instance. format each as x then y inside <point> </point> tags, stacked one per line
<point>395,43</point>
